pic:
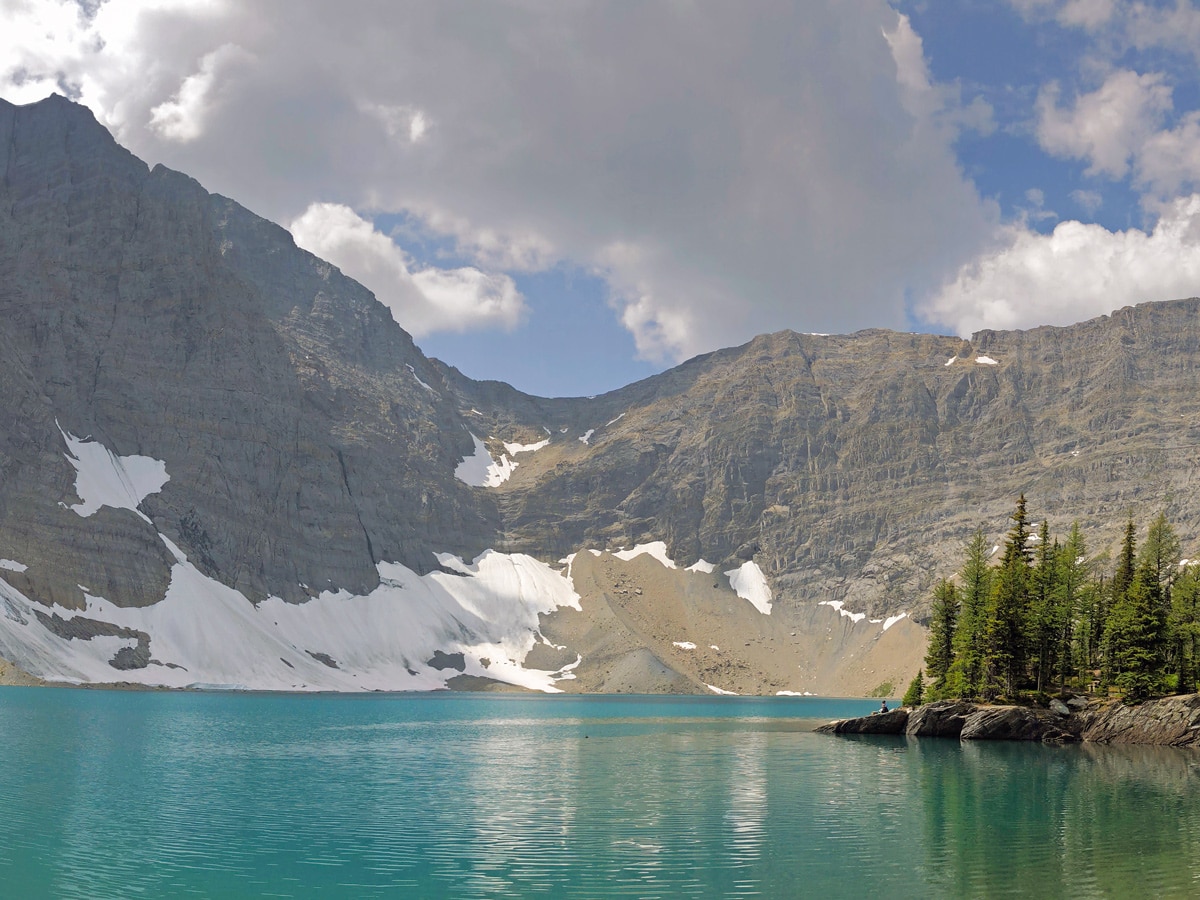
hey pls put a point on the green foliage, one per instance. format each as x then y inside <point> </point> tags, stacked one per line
<point>965,675</point>
<point>942,626</point>
<point>1007,611</point>
<point>1046,616</point>
<point>915,695</point>
<point>884,690</point>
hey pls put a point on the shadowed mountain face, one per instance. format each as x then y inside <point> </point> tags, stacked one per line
<point>307,440</point>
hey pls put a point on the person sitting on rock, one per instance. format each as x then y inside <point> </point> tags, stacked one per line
<point>883,707</point>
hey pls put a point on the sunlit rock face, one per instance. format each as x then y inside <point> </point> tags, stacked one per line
<point>189,399</point>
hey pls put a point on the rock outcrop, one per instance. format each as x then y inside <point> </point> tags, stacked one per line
<point>1166,722</point>
<point>1170,722</point>
<point>892,722</point>
<point>1015,723</point>
<point>945,719</point>
<point>959,719</point>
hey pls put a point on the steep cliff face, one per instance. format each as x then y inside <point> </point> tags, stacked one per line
<point>163,321</point>
<point>197,415</point>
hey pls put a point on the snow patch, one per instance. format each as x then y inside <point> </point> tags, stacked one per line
<point>657,549</point>
<point>420,382</point>
<point>838,605</point>
<point>749,583</point>
<point>951,361</point>
<point>794,694</point>
<point>104,479</point>
<point>614,421</point>
<point>717,690</point>
<point>481,470</point>
<point>892,620</point>
<point>701,565</point>
<point>986,361</point>
<point>203,633</point>
<point>13,566</point>
<point>514,449</point>
<point>587,436</point>
<point>684,645</point>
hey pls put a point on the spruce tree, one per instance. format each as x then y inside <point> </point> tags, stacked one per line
<point>965,678</point>
<point>1005,632</point>
<point>1134,637</point>
<point>1184,627</point>
<point>1073,591</point>
<point>915,695</point>
<point>942,625</point>
<point>1043,614</point>
<point>1114,614</point>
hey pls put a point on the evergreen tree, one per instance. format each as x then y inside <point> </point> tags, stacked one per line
<point>1162,551</point>
<point>1005,632</point>
<point>965,678</point>
<point>942,625</point>
<point>1184,627</point>
<point>1134,637</point>
<point>915,695</point>
<point>1073,591</point>
<point>1042,620</point>
<point>1126,563</point>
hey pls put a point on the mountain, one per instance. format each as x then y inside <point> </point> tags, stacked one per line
<point>222,462</point>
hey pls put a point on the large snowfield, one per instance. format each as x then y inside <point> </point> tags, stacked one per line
<point>413,632</point>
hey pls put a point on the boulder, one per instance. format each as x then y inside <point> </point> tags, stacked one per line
<point>892,722</point>
<point>944,718</point>
<point>1059,708</point>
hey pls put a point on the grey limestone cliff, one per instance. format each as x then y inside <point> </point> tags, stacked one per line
<point>307,439</point>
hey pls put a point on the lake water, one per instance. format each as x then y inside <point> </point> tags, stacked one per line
<point>114,794</point>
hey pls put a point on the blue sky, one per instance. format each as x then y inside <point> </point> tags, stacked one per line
<point>572,196</point>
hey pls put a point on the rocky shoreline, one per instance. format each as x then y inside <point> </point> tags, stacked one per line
<point>1167,722</point>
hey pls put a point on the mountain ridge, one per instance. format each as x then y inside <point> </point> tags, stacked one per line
<point>309,444</point>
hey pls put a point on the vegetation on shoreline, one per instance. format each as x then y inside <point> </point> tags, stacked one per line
<point>1048,618</point>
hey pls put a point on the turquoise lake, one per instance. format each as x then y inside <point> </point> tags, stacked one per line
<point>120,794</point>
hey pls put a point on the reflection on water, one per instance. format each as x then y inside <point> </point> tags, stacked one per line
<point>112,795</point>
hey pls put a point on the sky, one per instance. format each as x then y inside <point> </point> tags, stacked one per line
<point>570,195</point>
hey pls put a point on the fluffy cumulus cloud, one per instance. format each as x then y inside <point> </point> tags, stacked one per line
<point>1075,272</point>
<point>422,301</point>
<point>725,172</point>
<point>1108,126</point>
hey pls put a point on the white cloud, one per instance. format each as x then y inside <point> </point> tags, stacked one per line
<point>1090,201</point>
<point>939,105</point>
<point>423,301</point>
<point>1169,160</point>
<point>182,117</point>
<point>1089,14</point>
<point>1106,127</point>
<point>1075,272</point>
<point>407,122</point>
<point>1174,26</point>
<point>786,166</point>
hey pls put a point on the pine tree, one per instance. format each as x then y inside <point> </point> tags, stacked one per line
<point>965,678</point>
<point>1134,637</point>
<point>1126,562</point>
<point>1004,636</point>
<point>942,625</point>
<point>1184,627</point>
<point>1073,591</point>
<point>1042,619</point>
<point>1114,613</point>
<point>915,695</point>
